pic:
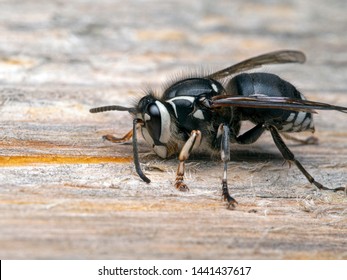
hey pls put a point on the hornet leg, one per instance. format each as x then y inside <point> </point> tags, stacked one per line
<point>288,155</point>
<point>225,156</point>
<point>193,141</point>
<point>114,139</point>
<point>251,135</point>
<point>311,140</point>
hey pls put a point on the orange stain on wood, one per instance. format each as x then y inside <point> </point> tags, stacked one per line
<point>58,159</point>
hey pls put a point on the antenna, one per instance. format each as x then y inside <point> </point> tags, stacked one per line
<point>136,154</point>
<point>113,108</point>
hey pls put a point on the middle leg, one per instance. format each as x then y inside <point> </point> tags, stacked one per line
<point>225,156</point>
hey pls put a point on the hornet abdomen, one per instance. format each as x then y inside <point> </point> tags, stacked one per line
<point>266,84</point>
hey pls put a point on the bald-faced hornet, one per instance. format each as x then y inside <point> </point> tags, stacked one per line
<point>208,111</point>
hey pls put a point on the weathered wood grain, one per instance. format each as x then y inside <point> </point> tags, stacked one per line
<point>66,194</point>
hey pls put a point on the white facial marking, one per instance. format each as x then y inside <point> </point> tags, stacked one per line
<point>172,103</point>
<point>199,115</point>
<point>165,123</point>
<point>146,135</point>
<point>147,117</point>
<point>160,151</point>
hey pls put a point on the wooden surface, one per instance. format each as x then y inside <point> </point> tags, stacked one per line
<point>66,194</point>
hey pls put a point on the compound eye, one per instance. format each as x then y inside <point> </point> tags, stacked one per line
<point>153,122</point>
<point>153,111</point>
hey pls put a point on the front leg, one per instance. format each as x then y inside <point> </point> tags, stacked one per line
<point>225,155</point>
<point>193,141</point>
<point>114,139</point>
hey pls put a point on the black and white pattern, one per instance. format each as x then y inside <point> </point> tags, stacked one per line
<point>298,121</point>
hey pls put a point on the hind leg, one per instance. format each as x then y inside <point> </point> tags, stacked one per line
<point>311,140</point>
<point>288,155</point>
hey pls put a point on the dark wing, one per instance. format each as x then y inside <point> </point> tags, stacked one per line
<point>273,103</point>
<point>276,57</point>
